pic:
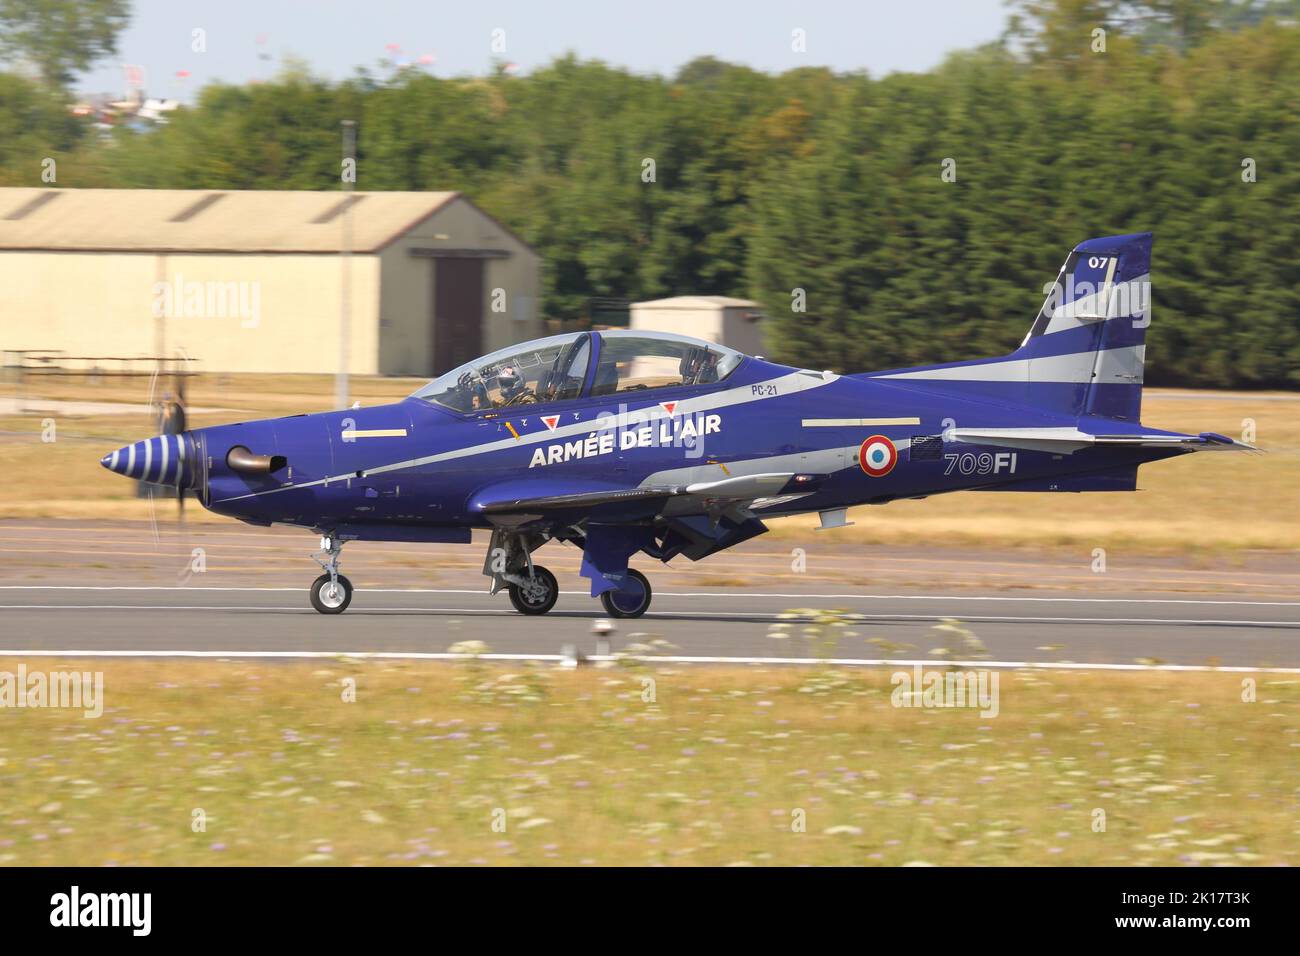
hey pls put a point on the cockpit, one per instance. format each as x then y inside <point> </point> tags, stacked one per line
<point>578,365</point>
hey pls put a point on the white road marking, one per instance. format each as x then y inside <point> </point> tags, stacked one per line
<point>687,615</point>
<point>650,659</point>
<point>690,594</point>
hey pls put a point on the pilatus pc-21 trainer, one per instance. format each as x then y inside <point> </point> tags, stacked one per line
<point>632,442</point>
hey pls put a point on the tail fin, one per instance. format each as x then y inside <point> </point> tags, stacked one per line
<point>1084,353</point>
<point>1092,329</point>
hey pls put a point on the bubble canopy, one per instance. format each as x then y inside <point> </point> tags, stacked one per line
<point>559,368</point>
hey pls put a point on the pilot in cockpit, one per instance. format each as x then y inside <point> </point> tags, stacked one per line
<point>513,389</point>
<point>471,392</point>
<point>699,366</point>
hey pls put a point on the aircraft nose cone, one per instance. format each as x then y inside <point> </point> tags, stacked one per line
<point>116,461</point>
<point>161,460</point>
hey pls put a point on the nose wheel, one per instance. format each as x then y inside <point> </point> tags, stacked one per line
<point>331,593</point>
<point>631,600</point>
<point>535,594</point>
<point>331,596</point>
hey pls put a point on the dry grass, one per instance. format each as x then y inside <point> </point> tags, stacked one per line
<point>587,771</point>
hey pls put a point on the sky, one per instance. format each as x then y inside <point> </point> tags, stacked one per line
<point>248,39</point>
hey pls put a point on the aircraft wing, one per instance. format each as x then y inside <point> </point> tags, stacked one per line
<point>542,496</point>
<point>510,501</point>
<point>1067,440</point>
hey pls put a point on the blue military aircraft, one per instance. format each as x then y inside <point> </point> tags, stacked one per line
<point>627,442</point>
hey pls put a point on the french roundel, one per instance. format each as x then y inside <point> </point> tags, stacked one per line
<point>877,456</point>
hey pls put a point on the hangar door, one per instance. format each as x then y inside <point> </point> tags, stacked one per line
<point>457,312</point>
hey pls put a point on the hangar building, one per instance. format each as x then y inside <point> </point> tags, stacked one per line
<point>252,281</point>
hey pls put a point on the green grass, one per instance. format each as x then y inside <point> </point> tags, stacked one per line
<point>587,771</point>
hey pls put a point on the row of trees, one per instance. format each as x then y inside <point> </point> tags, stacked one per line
<point>920,214</point>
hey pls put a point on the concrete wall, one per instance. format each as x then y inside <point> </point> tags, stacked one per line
<point>407,288</point>
<point>699,323</point>
<point>741,332</point>
<point>248,313</point>
<point>725,326</point>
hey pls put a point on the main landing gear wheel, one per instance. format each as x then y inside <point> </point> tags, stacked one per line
<point>631,600</point>
<point>537,594</point>
<point>331,597</point>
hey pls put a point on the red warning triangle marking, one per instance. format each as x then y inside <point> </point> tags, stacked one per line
<point>550,421</point>
<point>669,407</point>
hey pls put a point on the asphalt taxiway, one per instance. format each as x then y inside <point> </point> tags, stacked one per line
<point>127,586</point>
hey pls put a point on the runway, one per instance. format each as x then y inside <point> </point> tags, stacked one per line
<point>130,597</point>
<point>696,624</point>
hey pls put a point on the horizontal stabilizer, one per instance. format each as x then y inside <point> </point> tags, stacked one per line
<point>1066,440</point>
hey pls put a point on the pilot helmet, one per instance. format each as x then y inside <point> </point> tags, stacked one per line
<point>510,380</point>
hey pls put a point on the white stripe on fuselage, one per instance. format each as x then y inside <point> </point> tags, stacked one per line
<point>374,433</point>
<point>856,422</point>
<point>786,385</point>
<point>1114,366</point>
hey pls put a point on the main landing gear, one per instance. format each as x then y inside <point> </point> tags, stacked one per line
<point>631,600</point>
<point>331,593</point>
<point>537,593</point>
<point>533,589</point>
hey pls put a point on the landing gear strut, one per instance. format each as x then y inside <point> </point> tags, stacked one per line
<point>533,589</point>
<point>331,593</point>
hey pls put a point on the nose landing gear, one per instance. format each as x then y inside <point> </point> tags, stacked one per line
<point>331,593</point>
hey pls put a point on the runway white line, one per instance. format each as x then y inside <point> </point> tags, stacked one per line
<point>687,615</point>
<point>650,659</point>
<point>690,594</point>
